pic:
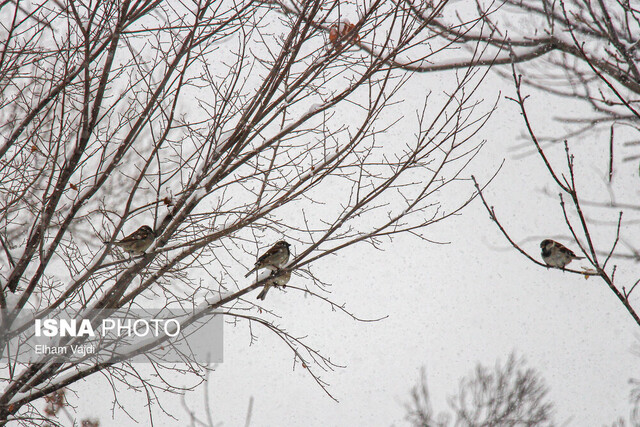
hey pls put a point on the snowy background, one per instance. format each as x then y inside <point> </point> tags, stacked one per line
<point>449,306</point>
<point>445,306</point>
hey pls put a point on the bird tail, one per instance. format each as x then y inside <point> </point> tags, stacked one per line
<point>578,257</point>
<point>250,271</point>
<point>263,294</point>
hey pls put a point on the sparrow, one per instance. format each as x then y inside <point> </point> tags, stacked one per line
<point>137,242</point>
<point>555,254</point>
<point>280,279</point>
<point>275,258</point>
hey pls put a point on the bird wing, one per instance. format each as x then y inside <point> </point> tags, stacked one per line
<point>272,251</point>
<point>137,235</point>
<point>567,251</point>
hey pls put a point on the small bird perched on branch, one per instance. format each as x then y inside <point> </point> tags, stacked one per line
<point>137,242</point>
<point>555,254</point>
<point>280,279</point>
<point>274,259</point>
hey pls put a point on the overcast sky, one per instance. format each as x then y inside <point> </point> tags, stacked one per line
<point>448,306</point>
<point>462,298</point>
